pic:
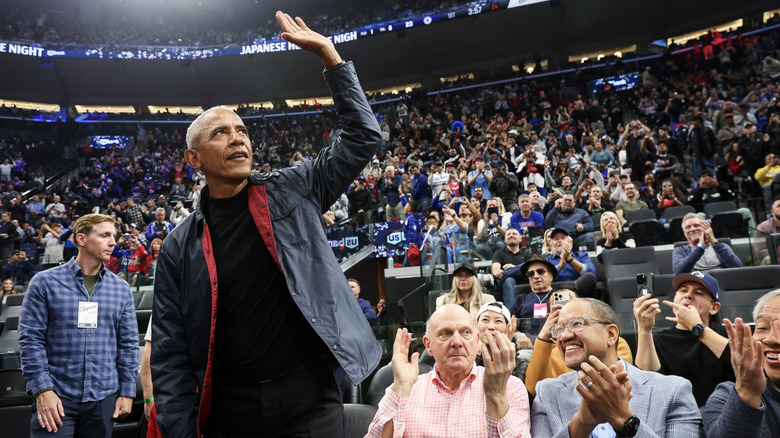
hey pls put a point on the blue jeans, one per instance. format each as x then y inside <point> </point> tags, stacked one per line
<point>87,419</point>
<point>508,282</point>
<point>702,163</point>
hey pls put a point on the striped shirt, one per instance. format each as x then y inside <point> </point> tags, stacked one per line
<point>432,409</point>
<point>80,364</point>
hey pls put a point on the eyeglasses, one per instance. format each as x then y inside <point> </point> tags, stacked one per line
<point>532,272</point>
<point>575,325</point>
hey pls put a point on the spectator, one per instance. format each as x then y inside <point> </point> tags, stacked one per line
<point>8,236</point>
<point>665,164</point>
<point>365,306</point>
<point>55,208</point>
<point>438,178</point>
<point>572,265</point>
<point>507,264</point>
<point>766,175</point>
<point>490,398</point>
<point>765,229</point>
<point>421,193</point>
<point>492,228</point>
<point>361,202</point>
<point>546,361</point>
<point>576,222</point>
<point>505,185</point>
<point>596,203</point>
<point>525,217</point>
<point>160,228</point>
<point>703,251</point>
<point>494,318</point>
<point>133,213</point>
<point>750,406</point>
<point>80,386</point>
<point>8,287</point>
<point>51,241</point>
<point>704,145</point>
<point>752,152</point>
<point>466,290</point>
<point>35,209</point>
<point>138,262</point>
<point>19,268</point>
<point>480,178</point>
<point>709,191</point>
<point>612,234</point>
<point>641,152</point>
<point>632,203</point>
<point>695,348</point>
<point>605,392</point>
<point>389,186</point>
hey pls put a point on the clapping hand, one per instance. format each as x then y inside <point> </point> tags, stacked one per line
<point>747,359</point>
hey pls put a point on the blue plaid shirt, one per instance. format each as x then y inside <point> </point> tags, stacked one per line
<point>80,364</point>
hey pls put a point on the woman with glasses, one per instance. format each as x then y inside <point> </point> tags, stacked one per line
<point>466,290</point>
<point>546,361</point>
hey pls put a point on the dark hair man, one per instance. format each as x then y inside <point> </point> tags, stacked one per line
<point>250,305</point>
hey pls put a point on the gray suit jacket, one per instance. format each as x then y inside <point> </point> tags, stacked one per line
<point>664,404</point>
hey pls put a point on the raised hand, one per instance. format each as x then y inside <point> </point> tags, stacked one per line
<point>498,355</point>
<point>405,372</point>
<point>747,359</point>
<point>684,315</point>
<point>645,310</point>
<point>296,32</point>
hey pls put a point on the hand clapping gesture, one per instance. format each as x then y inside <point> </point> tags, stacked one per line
<point>747,359</point>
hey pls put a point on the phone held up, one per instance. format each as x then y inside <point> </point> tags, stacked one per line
<point>644,284</point>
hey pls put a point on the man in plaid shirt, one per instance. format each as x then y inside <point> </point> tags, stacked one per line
<point>457,398</point>
<point>78,339</point>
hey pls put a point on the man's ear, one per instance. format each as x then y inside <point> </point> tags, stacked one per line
<point>715,308</point>
<point>192,158</point>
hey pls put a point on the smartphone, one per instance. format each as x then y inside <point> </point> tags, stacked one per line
<point>560,297</point>
<point>492,211</point>
<point>644,284</point>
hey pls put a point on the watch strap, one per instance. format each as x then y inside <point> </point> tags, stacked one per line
<point>630,428</point>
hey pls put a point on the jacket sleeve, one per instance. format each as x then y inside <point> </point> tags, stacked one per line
<point>726,256</point>
<point>324,179</point>
<point>32,337</point>
<point>173,377</point>
<point>127,348</point>
<point>727,415</point>
<point>683,259</point>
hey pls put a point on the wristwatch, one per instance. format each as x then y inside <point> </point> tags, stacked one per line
<point>630,428</point>
<point>698,330</point>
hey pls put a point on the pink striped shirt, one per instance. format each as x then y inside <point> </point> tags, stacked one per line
<point>432,410</point>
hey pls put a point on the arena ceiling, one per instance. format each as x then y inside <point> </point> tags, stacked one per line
<point>488,42</point>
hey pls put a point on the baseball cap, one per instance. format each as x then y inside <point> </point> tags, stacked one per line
<point>558,230</point>
<point>708,281</point>
<point>361,178</point>
<point>465,266</point>
<point>496,306</point>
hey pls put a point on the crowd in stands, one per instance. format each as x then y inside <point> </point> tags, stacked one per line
<point>243,25</point>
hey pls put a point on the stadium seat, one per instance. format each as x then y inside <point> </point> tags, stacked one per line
<point>15,420</point>
<point>675,232</point>
<point>639,215</point>
<point>10,329</point>
<point>13,388</point>
<point>729,224</point>
<point>714,208</point>
<point>352,393</point>
<point>678,211</point>
<point>357,418</point>
<point>381,380</point>
<point>741,287</point>
<point>627,262</point>
<point>596,218</point>
<point>647,232</point>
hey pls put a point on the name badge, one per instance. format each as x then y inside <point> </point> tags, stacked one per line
<point>88,314</point>
<point>540,310</point>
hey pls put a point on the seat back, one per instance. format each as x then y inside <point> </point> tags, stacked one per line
<point>730,224</point>
<point>10,329</point>
<point>357,418</point>
<point>639,215</point>
<point>719,207</point>
<point>147,300</point>
<point>741,287</point>
<point>432,296</point>
<point>382,379</point>
<point>596,219</point>
<point>627,262</point>
<point>647,232</point>
<point>677,212</point>
<point>14,300</point>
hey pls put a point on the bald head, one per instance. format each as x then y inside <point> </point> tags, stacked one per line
<point>446,312</point>
<point>199,123</point>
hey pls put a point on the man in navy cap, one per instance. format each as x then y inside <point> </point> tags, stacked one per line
<point>572,265</point>
<point>696,347</point>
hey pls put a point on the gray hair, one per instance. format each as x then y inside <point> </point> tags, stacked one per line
<point>197,125</point>
<point>761,302</point>
<point>159,209</point>
<point>689,216</point>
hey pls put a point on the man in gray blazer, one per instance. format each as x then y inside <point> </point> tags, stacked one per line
<point>606,394</point>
